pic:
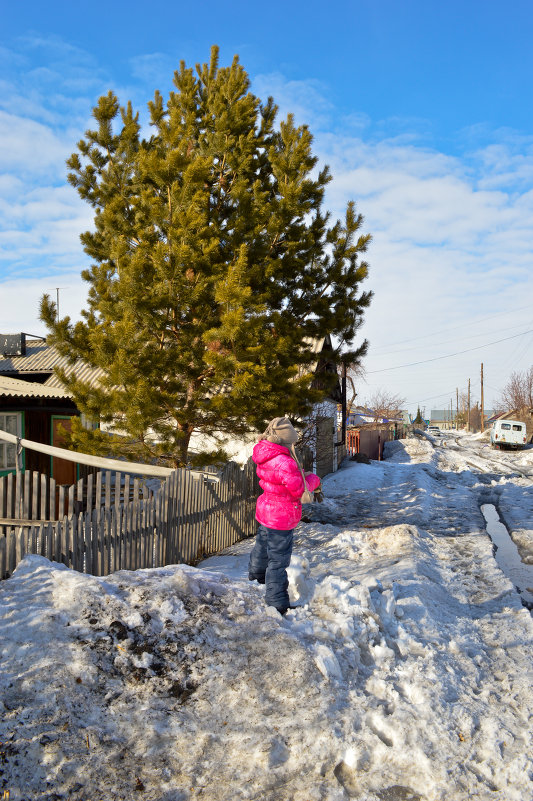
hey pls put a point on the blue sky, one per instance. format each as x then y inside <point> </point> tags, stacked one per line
<point>423,111</point>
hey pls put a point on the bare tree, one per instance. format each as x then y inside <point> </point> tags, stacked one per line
<point>357,372</point>
<point>475,417</point>
<point>386,404</point>
<point>461,417</point>
<point>518,392</point>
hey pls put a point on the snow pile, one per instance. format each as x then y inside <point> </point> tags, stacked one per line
<point>508,477</point>
<point>405,672</point>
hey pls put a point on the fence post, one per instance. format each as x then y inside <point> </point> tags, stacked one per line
<point>3,556</point>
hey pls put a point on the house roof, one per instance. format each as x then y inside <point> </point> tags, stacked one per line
<point>40,359</point>
<point>361,415</point>
<point>357,419</point>
<point>15,388</point>
<point>322,366</point>
<point>316,346</point>
<point>512,414</point>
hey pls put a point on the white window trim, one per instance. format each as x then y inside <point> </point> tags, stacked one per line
<point>6,449</point>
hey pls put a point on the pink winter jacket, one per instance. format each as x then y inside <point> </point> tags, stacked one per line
<point>282,484</point>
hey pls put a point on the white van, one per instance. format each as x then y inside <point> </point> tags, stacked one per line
<point>508,433</point>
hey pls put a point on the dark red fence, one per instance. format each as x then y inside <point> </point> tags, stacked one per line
<point>368,441</point>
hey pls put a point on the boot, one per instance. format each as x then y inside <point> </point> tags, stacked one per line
<point>284,609</point>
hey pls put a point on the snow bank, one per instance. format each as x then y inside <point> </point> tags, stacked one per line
<point>405,672</point>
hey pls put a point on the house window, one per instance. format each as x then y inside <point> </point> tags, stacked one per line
<point>87,423</point>
<point>12,423</point>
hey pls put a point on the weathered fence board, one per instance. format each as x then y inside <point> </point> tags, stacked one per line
<point>111,521</point>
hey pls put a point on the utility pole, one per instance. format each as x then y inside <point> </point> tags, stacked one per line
<point>468,424</point>
<point>456,406</point>
<point>57,288</point>
<point>343,407</point>
<point>482,408</point>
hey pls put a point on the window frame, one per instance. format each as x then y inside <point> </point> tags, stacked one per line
<point>4,468</point>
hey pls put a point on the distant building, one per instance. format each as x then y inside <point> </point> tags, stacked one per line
<point>524,415</point>
<point>445,418</point>
<point>362,415</point>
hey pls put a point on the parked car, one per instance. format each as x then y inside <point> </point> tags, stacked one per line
<point>433,431</point>
<point>508,434</point>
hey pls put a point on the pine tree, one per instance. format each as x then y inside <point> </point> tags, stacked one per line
<point>214,266</point>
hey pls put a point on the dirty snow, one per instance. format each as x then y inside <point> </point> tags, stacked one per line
<point>405,673</point>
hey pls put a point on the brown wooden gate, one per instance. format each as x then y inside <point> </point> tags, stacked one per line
<point>64,472</point>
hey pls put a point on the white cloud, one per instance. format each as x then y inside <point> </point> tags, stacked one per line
<point>29,147</point>
<point>40,227</point>
<point>296,97</point>
<point>452,244</point>
<point>154,69</point>
<point>20,299</point>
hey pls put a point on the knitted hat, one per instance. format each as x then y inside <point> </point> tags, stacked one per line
<point>280,431</point>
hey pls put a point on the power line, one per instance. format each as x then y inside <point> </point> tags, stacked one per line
<point>519,352</point>
<point>449,355</point>
<point>399,351</point>
<point>432,397</point>
<point>462,326</point>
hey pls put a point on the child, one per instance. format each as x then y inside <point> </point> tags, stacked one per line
<point>278,509</point>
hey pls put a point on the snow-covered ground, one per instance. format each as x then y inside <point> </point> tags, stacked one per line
<point>406,673</point>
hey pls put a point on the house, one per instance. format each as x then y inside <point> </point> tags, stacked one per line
<point>446,418</point>
<point>407,418</point>
<point>361,415</point>
<point>33,411</point>
<point>443,418</point>
<point>39,405</point>
<point>33,403</point>
<point>325,433</point>
<point>354,418</point>
<point>524,415</point>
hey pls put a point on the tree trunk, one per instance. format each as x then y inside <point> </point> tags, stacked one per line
<point>182,445</point>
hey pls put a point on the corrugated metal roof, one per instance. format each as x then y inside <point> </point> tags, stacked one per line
<point>90,375</point>
<point>15,388</point>
<point>42,358</point>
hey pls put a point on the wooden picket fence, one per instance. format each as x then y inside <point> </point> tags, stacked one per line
<point>111,521</point>
<point>35,496</point>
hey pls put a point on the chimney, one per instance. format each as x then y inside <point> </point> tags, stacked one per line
<point>12,345</point>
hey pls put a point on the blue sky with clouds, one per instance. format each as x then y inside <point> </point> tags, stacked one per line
<point>422,110</point>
